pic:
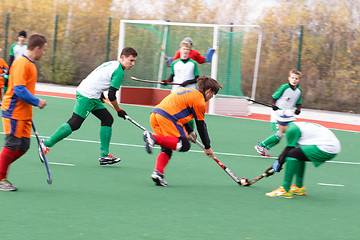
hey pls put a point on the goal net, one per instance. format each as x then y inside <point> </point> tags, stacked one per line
<point>234,64</point>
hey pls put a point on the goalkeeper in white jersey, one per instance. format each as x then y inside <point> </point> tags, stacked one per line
<point>89,97</point>
<point>286,97</point>
<point>305,142</point>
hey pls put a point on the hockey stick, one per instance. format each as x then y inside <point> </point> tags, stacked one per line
<point>128,118</point>
<point>49,179</point>
<point>150,81</point>
<point>266,174</point>
<point>252,100</point>
<point>226,169</point>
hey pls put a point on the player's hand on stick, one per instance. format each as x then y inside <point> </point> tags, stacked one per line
<point>209,152</point>
<point>277,166</point>
<point>192,137</point>
<point>42,103</point>
<point>122,114</point>
<point>102,97</point>
<point>274,107</point>
<point>165,82</point>
<point>185,83</point>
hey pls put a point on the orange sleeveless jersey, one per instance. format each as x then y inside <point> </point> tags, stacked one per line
<point>177,109</point>
<point>23,72</point>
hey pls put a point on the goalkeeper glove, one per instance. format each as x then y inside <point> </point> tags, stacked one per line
<point>209,54</point>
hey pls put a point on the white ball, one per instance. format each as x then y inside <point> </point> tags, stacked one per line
<point>243,181</point>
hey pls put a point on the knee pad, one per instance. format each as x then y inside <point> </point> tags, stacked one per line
<point>183,144</point>
<point>104,116</point>
<point>75,122</point>
<point>280,134</point>
<point>167,151</point>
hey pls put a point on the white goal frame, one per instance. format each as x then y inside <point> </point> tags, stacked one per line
<point>214,62</point>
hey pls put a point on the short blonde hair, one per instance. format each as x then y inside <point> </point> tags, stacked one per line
<point>185,44</point>
<point>294,71</point>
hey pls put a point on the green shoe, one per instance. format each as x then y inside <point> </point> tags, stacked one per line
<point>297,191</point>
<point>280,192</point>
<point>5,185</point>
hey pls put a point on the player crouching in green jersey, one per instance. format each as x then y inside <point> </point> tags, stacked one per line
<point>306,141</point>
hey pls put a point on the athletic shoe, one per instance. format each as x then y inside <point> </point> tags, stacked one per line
<point>158,178</point>
<point>109,159</point>
<point>262,150</point>
<point>5,185</point>
<point>44,148</point>
<point>149,141</point>
<point>297,191</point>
<point>280,192</point>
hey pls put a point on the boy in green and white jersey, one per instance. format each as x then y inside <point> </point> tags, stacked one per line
<point>89,97</point>
<point>183,70</point>
<point>19,48</point>
<point>286,97</point>
<point>306,141</point>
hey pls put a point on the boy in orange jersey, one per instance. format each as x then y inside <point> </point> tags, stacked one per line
<point>17,107</point>
<point>169,121</point>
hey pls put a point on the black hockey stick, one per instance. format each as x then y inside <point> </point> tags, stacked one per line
<point>49,178</point>
<point>254,101</point>
<point>128,118</point>
<point>150,81</point>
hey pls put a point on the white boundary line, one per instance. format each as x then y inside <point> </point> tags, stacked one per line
<point>330,184</point>
<point>197,151</point>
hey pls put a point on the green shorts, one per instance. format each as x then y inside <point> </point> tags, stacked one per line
<point>84,106</point>
<point>315,155</point>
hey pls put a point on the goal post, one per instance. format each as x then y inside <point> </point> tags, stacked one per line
<point>234,64</point>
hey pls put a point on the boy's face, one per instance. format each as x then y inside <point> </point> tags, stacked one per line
<point>21,40</point>
<point>40,51</point>
<point>127,62</point>
<point>294,79</point>
<point>184,52</point>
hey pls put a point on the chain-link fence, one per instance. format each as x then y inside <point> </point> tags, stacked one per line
<point>329,58</point>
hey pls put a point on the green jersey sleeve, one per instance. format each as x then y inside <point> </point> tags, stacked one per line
<point>196,69</point>
<point>277,94</point>
<point>293,135</point>
<point>299,100</point>
<point>12,49</point>
<point>117,77</point>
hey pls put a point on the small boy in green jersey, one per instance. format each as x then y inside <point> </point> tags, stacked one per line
<point>286,97</point>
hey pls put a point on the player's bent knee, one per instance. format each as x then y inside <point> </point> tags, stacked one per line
<point>183,144</point>
<point>75,122</point>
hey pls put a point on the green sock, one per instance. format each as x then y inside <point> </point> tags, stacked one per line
<point>62,132</point>
<point>270,141</point>
<point>192,123</point>
<point>300,174</point>
<point>105,137</point>
<point>292,166</point>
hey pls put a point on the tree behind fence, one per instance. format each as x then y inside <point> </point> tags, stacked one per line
<point>330,58</point>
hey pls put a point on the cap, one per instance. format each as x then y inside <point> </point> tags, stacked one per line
<point>22,33</point>
<point>188,40</point>
<point>284,117</point>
